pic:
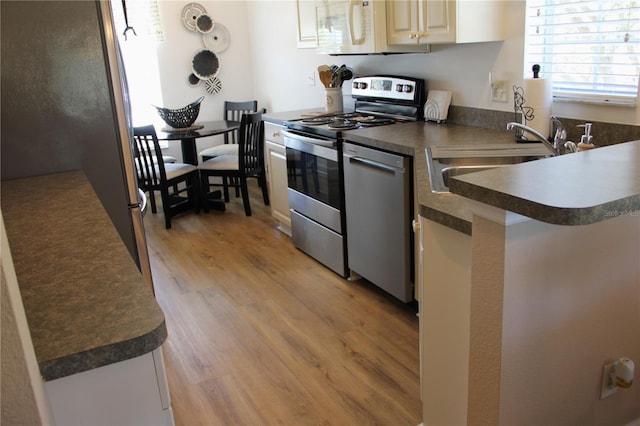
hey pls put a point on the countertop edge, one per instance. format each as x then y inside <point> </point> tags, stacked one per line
<point>412,138</point>
<point>501,194</point>
<point>104,355</point>
<point>84,310</point>
<point>554,215</point>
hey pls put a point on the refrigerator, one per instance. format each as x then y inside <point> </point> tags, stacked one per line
<point>65,106</point>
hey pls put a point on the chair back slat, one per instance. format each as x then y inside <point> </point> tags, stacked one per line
<point>233,111</point>
<point>148,158</point>
<point>251,135</point>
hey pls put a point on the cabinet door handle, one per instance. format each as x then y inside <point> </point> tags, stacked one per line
<point>276,134</point>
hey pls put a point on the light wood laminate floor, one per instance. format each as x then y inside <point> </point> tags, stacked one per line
<point>262,334</point>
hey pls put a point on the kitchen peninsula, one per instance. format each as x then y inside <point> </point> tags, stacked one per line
<point>530,282</point>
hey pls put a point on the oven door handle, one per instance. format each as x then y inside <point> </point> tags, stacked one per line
<point>310,146</point>
<point>309,140</point>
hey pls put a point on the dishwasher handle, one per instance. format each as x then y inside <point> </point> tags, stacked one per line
<point>375,165</point>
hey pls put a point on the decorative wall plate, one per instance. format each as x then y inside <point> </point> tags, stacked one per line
<point>205,64</point>
<point>194,80</point>
<point>218,39</point>
<point>190,14</point>
<point>213,85</point>
<point>205,24</point>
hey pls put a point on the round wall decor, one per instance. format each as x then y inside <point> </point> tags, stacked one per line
<point>213,85</point>
<point>205,64</point>
<point>218,39</point>
<point>194,80</point>
<point>190,14</point>
<point>204,24</point>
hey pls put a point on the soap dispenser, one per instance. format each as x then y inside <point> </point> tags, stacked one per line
<point>586,141</point>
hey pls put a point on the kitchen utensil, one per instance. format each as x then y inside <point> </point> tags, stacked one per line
<point>335,77</point>
<point>347,74</point>
<point>325,74</point>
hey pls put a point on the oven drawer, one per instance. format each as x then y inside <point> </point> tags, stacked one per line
<point>320,212</point>
<point>319,242</point>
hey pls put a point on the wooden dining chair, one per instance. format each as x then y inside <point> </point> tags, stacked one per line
<point>177,183</point>
<point>249,163</point>
<point>232,112</point>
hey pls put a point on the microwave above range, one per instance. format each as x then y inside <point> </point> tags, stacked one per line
<point>356,28</point>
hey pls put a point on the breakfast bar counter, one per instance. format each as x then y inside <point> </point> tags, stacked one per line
<point>572,189</point>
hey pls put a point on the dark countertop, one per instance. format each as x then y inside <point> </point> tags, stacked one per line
<point>85,300</point>
<point>280,117</point>
<point>411,139</point>
<point>573,189</point>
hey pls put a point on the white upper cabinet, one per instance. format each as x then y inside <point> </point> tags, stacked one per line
<point>444,21</point>
<point>393,26</point>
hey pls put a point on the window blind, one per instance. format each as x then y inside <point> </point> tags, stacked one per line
<point>590,49</point>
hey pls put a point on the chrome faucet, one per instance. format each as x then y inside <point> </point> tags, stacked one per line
<point>560,144</point>
<point>534,132</point>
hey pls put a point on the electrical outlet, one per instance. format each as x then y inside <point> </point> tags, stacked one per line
<point>499,91</point>
<point>499,83</point>
<point>311,79</point>
<point>609,380</point>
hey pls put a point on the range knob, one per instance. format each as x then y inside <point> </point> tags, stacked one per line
<point>363,85</point>
<point>355,85</point>
<point>399,87</point>
<point>408,88</point>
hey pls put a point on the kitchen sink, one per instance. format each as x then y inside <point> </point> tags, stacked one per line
<point>445,162</point>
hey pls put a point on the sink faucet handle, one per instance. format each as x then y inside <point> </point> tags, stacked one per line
<point>560,136</point>
<point>587,138</point>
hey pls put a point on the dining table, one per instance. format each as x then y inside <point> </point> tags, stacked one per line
<point>188,138</point>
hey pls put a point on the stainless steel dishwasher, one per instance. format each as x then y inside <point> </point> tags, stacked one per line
<point>378,212</point>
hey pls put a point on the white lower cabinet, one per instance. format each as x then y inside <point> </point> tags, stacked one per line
<point>444,323</point>
<point>276,165</point>
<point>131,392</point>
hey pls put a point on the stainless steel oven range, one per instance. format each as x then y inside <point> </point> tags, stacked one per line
<point>315,166</point>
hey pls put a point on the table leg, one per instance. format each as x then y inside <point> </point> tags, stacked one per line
<point>190,155</point>
<point>189,152</point>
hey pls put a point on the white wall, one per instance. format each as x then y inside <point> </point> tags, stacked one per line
<point>176,52</point>
<point>263,62</point>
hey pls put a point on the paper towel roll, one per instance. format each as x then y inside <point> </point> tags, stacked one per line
<point>538,96</point>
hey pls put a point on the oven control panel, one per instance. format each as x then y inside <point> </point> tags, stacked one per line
<point>388,87</point>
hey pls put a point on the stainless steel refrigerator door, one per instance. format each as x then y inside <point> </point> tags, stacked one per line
<point>122,110</point>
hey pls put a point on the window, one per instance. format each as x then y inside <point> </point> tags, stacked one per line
<point>590,49</point>
<point>140,57</point>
